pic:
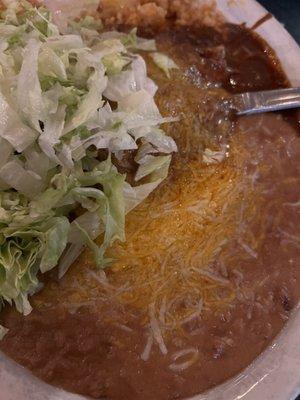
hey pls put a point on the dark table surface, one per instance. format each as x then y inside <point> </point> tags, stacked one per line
<point>288,13</point>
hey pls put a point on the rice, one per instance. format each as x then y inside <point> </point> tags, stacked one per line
<point>155,13</point>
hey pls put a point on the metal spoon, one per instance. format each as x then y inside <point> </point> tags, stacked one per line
<point>265,101</point>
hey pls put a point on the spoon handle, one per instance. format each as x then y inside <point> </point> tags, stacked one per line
<point>267,100</point>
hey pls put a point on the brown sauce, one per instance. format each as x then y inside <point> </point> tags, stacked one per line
<point>88,333</point>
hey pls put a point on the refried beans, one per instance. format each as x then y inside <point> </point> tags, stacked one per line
<point>209,273</point>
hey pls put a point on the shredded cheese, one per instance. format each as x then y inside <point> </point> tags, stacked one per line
<point>193,357</point>
<point>164,270</point>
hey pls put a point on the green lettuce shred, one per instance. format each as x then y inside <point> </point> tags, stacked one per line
<point>164,62</point>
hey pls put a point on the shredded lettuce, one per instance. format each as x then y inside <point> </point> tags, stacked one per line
<point>150,164</point>
<point>24,181</point>
<point>19,135</point>
<point>63,10</point>
<point>3,332</point>
<point>25,251</point>
<point>68,95</point>
<point>29,92</point>
<point>214,157</point>
<point>131,40</point>
<point>164,62</point>
<point>114,63</point>
<point>88,22</point>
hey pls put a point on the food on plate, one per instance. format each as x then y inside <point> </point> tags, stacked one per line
<point>149,240</point>
<point>74,108</point>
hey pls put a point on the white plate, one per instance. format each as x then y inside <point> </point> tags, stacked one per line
<point>276,373</point>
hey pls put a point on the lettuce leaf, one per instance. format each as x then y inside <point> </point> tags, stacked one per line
<point>13,129</point>
<point>3,332</point>
<point>25,252</point>
<point>150,164</point>
<point>90,103</point>
<point>55,241</point>
<point>214,157</point>
<point>164,62</point>
<point>30,101</point>
<point>17,177</point>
